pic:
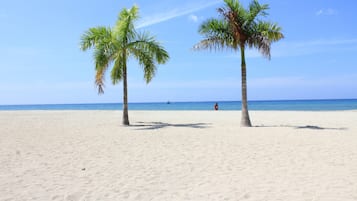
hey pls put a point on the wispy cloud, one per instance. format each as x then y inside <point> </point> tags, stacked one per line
<point>193,18</point>
<point>174,13</point>
<point>327,11</point>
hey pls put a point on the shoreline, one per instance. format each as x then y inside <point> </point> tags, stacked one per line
<point>208,101</point>
<point>177,155</point>
<point>279,105</point>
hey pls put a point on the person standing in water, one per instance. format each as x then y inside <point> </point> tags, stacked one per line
<point>216,106</point>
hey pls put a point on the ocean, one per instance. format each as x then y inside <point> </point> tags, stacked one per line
<point>282,105</point>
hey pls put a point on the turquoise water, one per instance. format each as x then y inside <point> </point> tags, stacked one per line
<point>296,105</point>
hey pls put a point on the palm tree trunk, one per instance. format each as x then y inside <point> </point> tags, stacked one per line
<point>245,120</point>
<point>125,97</point>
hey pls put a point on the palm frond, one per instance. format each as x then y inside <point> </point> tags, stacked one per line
<point>212,44</point>
<point>149,44</point>
<point>93,36</point>
<point>264,34</point>
<point>237,19</point>
<point>149,53</point>
<point>99,38</point>
<point>271,30</point>
<point>117,44</point>
<point>146,61</point>
<point>256,9</point>
<point>149,68</point>
<point>261,42</point>
<point>234,6</point>
<point>242,27</point>
<point>99,81</point>
<point>217,35</point>
<point>117,71</point>
<point>235,14</point>
<point>102,62</point>
<point>124,29</point>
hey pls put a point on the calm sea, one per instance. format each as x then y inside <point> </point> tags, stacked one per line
<point>296,105</point>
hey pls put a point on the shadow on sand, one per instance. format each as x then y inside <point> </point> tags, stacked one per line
<point>159,125</point>
<point>301,127</point>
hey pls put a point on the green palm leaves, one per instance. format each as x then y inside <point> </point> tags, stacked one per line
<point>240,28</point>
<point>113,46</point>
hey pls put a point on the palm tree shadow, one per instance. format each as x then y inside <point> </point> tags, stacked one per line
<point>160,125</point>
<point>311,127</point>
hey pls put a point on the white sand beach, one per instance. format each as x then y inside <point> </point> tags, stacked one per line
<point>178,155</point>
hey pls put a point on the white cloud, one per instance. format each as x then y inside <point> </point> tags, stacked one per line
<point>328,11</point>
<point>174,13</point>
<point>193,18</point>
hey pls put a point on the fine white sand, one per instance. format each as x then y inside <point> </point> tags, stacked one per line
<point>178,155</point>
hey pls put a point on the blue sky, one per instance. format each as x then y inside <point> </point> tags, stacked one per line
<point>41,62</point>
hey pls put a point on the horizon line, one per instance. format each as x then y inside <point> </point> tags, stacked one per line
<point>206,101</point>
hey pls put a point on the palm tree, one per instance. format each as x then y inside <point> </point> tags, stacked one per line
<point>240,28</point>
<point>115,45</point>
